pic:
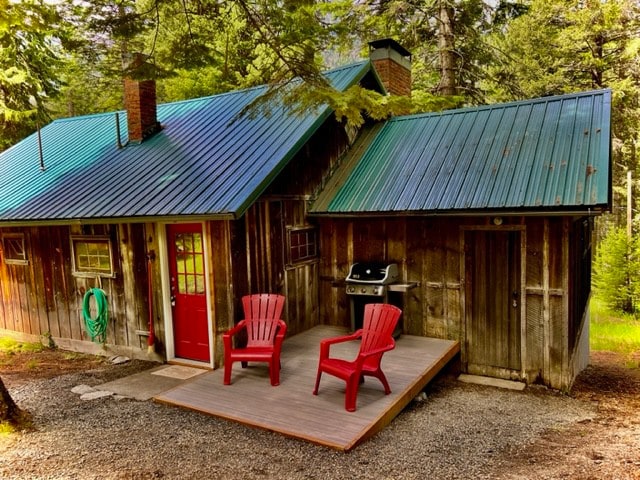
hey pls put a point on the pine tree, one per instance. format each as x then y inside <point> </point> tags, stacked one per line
<point>615,272</point>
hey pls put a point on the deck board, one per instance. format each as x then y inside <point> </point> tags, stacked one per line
<point>291,409</point>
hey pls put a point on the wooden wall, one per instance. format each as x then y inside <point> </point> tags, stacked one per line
<point>429,251</point>
<point>44,298</point>
<point>267,269</point>
<point>283,206</point>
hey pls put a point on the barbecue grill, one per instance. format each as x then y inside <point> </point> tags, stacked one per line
<point>368,283</point>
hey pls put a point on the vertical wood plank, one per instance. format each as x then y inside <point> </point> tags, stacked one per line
<point>546,307</point>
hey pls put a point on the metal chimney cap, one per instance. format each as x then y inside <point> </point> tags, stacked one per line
<point>389,43</point>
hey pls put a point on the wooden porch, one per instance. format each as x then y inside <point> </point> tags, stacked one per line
<point>292,410</point>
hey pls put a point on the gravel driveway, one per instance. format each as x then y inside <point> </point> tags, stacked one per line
<point>459,431</point>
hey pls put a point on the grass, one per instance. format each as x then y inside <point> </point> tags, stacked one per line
<point>10,346</point>
<point>612,331</point>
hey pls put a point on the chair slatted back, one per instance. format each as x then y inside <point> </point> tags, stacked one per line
<point>262,311</point>
<point>379,322</point>
<point>261,332</point>
<point>263,305</point>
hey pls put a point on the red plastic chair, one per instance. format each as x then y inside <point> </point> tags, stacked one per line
<point>379,322</point>
<point>265,332</point>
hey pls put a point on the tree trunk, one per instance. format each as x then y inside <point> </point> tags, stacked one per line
<point>9,411</point>
<point>446,50</point>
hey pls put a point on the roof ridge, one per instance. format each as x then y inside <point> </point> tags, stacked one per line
<point>494,106</point>
<point>204,98</point>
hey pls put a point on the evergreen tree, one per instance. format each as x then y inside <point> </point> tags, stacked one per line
<point>30,45</point>
<point>615,271</point>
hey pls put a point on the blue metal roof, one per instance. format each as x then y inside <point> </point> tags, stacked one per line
<point>550,153</point>
<point>205,162</point>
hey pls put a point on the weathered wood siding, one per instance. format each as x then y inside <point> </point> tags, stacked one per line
<point>282,207</point>
<point>268,270</point>
<point>44,298</point>
<point>430,251</point>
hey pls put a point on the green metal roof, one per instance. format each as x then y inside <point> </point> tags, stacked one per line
<point>205,162</point>
<point>550,154</point>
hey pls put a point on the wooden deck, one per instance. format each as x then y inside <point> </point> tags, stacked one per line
<point>291,409</point>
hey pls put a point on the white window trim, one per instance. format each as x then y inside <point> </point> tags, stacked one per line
<point>92,274</point>
<point>15,261</point>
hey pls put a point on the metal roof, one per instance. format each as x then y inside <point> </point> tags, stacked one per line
<point>205,162</point>
<point>550,153</point>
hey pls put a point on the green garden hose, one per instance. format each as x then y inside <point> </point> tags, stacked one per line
<point>96,327</point>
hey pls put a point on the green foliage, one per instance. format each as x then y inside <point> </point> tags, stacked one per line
<point>560,47</point>
<point>30,44</point>
<point>10,346</point>
<point>616,276</point>
<point>417,26</point>
<point>610,331</point>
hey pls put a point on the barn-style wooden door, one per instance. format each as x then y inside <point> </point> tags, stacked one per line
<point>493,302</point>
<point>188,291</point>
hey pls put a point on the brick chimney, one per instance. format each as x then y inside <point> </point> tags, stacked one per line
<point>140,102</point>
<point>393,65</point>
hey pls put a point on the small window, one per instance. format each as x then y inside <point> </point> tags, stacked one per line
<point>92,255</point>
<point>15,252</point>
<point>303,244</point>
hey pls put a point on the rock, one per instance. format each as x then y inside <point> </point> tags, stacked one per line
<point>96,394</point>
<point>119,359</point>
<point>82,389</point>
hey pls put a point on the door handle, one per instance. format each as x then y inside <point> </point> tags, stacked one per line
<point>514,297</point>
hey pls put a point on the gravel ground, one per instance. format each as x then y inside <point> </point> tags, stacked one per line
<point>459,431</point>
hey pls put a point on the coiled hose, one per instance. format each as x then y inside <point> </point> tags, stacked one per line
<point>96,327</point>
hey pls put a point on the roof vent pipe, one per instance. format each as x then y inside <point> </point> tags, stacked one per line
<point>118,135</point>
<point>42,167</point>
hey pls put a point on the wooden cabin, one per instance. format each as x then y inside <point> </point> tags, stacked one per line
<point>177,210</point>
<point>488,212</point>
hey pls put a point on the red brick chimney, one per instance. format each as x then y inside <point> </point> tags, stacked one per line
<point>393,65</point>
<point>140,102</point>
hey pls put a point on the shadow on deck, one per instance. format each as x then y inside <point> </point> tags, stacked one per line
<point>292,410</point>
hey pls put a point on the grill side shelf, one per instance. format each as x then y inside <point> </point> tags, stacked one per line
<point>402,287</point>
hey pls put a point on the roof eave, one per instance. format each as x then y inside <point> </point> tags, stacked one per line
<point>594,210</point>
<point>49,222</point>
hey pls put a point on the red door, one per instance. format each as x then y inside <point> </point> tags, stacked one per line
<point>188,291</point>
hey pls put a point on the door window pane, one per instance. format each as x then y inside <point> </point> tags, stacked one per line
<point>190,263</point>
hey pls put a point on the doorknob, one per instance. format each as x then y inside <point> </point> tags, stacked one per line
<point>514,297</point>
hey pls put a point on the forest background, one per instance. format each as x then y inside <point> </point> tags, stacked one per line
<point>61,58</point>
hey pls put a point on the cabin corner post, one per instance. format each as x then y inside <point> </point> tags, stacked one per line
<point>162,263</point>
<point>524,332</point>
<point>546,342</point>
<point>566,374</point>
<point>227,263</point>
<point>464,319</point>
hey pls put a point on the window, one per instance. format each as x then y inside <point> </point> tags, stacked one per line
<point>92,255</point>
<point>190,263</point>
<point>14,249</point>
<point>302,244</point>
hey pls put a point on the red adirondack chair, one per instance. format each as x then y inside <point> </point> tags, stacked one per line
<point>376,337</point>
<point>265,332</point>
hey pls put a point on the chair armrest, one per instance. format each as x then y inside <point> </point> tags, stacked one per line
<point>325,343</point>
<point>228,335</point>
<point>282,331</point>
<point>236,328</point>
<point>377,351</point>
<point>343,338</point>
